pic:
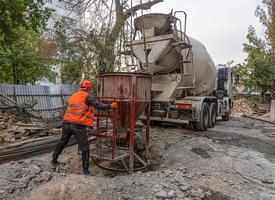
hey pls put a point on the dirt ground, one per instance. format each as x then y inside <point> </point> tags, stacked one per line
<point>234,160</point>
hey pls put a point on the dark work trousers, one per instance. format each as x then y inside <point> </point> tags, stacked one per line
<point>80,134</point>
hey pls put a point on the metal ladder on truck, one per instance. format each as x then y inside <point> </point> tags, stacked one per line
<point>186,50</point>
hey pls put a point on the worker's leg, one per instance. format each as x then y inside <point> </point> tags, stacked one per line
<point>66,134</point>
<point>80,134</point>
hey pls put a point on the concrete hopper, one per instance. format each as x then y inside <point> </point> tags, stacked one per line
<point>132,92</point>
<point>126,88</point>
<point>159,23</point>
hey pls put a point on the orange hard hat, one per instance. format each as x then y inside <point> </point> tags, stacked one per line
<point>86,84</point>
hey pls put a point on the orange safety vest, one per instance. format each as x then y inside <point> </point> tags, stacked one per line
<point>77,111</point>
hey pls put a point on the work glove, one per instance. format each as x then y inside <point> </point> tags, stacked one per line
<point>114,105</point>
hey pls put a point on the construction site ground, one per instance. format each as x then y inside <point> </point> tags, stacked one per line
<point>234,160</point>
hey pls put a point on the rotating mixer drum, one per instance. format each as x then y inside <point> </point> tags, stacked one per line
<point>164,57</point>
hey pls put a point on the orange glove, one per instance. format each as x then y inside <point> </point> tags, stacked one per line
<point>114,105</point>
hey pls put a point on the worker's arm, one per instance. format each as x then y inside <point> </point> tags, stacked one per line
<point>91,101</point>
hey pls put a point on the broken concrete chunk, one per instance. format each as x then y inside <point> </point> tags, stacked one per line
<point>184,187</point>
<point>267,180</point>
<point>3,125</point>
<point>197,192</point>
<point>166,195</point>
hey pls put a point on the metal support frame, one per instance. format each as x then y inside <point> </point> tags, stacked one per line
<point>110,132</point>
<point>132,125</point>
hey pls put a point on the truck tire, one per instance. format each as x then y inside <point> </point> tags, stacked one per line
<point>202,125</point>
<point>212,115</point>
<point>226,117</point>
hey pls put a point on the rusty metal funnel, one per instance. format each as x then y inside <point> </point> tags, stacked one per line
<point>131,91</point>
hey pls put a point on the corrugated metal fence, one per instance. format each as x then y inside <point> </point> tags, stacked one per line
<point>45,101</point>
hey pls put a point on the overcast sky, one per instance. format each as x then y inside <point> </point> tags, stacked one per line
<point>221,25</point>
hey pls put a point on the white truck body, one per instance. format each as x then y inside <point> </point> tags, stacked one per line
<point>186,85</point>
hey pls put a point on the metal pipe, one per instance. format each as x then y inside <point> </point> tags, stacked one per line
<point>29,148</point>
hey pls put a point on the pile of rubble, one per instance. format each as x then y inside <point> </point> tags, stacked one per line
<point>241,107</point>
<point>244,107</point>
<point>261,110</point>
<point>14,128</point>
<point>250,109</point>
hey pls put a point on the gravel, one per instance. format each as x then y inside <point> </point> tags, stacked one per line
<point>187,165</point>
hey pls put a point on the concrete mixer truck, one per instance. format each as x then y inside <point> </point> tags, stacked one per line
<point>186,85</point>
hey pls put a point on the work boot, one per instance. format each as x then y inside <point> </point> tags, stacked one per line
<point>54,162</point>
<point>85,162</point>
<point>86,172</point>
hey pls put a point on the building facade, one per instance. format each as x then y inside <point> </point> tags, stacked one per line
<point>63,10</point>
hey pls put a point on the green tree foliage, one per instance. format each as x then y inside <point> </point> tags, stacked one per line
<point>72,66</point>
<point>24,54</point>
<point>26,60</point>
<point>259,67</point>
<point>267,18</point>
<point>16,14</point>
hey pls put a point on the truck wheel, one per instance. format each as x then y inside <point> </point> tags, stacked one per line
<point>204,118</point>
<point>226,117</point>
<point>212,115</point>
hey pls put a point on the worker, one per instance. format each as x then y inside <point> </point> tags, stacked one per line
<point>78,116</point>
